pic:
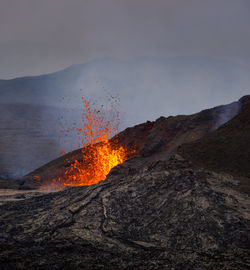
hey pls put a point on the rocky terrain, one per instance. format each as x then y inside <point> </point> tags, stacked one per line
<point>182,202</point>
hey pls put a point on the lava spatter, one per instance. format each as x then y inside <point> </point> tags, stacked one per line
<point>99,155</point>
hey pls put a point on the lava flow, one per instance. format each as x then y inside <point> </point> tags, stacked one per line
<point>98,154</point>
<point>98,160</point>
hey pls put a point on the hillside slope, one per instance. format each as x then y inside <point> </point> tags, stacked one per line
<point>152,141</point>
<point>227,148</point>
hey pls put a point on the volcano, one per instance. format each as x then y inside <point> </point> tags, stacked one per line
<point>179,200</point>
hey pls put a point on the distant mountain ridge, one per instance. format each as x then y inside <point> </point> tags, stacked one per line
<point>124,77</point>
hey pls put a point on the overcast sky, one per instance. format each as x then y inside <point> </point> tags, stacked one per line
<point>39,37</point>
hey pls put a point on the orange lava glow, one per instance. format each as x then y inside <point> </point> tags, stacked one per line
<point>97,162</point>
<point>98,154</point>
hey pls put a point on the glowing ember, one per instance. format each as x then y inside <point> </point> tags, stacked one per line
<point>97,162</point>
<point>99,155</point>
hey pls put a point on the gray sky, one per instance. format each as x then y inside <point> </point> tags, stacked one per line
<point>39,37</point>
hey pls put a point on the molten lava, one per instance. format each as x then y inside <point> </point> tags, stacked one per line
<point>98,154</point>
<point>98,160</point>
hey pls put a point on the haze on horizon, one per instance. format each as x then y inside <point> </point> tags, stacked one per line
<point>38,37</point>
